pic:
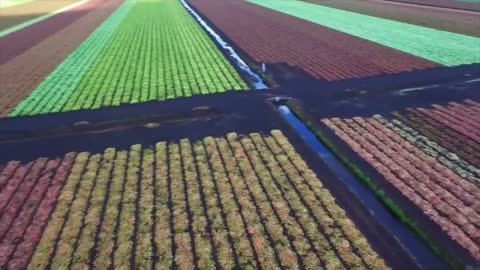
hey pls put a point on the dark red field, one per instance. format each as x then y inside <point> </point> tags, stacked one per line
<point>274,38</point>
<point>448,20</point>
<point>443,3</point>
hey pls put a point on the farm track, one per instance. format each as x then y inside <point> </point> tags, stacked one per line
<point>15,15</point>
<point>16,43</point>
<point>176,205</point>
<point>319,51</point>
<point>430,156</point>
<point>22,74</point>
<point>105,76</point>
<point>451,21</point>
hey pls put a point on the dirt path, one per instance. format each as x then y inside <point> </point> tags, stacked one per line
<point>448,20</point>
<point>21,75</point>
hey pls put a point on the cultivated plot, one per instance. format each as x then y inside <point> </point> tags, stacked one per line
<point>148,50</point>
<point>430,155</point>
<point>442,47</point>
<point>233,201</point>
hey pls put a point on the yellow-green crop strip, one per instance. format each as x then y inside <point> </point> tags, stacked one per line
<point>446,48</point>
<point>147,50</point>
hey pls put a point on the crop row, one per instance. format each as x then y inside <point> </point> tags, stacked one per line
<point>321,52</point>
<point>231,202</point>
<point>442,184</point>
<point>149,50</point>
<point>455,135</point>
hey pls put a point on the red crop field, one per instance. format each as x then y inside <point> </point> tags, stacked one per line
<point>431,156</point>
<point>274,38</point>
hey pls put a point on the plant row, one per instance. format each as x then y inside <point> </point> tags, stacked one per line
<point>433,149</point>
<point>443,195</point>
<point>231,202</point>
<point>149,50</point>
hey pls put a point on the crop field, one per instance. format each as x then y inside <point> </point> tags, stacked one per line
<point>22,14</point>
<point>105,76</point>
<point>447,20</point>
<point>234,201</point>
<point>431,156</point>
<point>321,52</point>
<point>239,134</point>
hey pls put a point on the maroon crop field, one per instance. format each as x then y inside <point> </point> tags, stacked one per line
<point>431,156</point>
<point>274,38</point>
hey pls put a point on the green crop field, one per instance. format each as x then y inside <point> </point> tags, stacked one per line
<point>442,47</point>
<point>147,50</point>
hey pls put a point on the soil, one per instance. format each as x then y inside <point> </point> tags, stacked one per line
<point>21,75</point>
<point>15,15</point>
<point>452,21</point>
<point>321,52</point>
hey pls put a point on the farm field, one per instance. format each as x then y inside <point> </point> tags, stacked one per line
<point>321,52</point>
<point>441,47</point>
<point>178,203</point>
<point>457,4</point>
<point>13,15</point>
<point>106,76</point>
<point>26,70</point>
<point>239,134</point>
<point>447,20</point>
<point>430,155</point>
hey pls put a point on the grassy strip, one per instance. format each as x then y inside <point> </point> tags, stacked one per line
<point>106,236</point>
<point>253,223</point>
<point>45,248</point>
<point>443,47</point>
<point>184,254</point>
<point>86,239</point>
<point>230,207</point>
<point>318,236</point>
<point>379,193</point>
<point>203,249</point>
<point>323,203</point>
<point>73,225</point>
<point>144,249</point>
<point>123,250</point>
<point>163,239</point>
<point>226,255</point>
